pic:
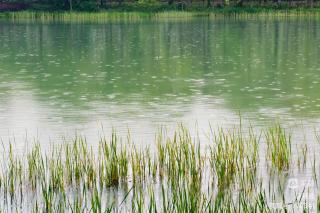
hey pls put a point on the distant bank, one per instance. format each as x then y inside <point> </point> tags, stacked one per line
<point>213,6</point>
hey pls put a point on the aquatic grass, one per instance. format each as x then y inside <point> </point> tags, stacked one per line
<point>56,171</point>
<point>13,175</point>
<point>75,155</point>
<point>113,163</point>
<point>152,207</point>
<point>234,157</point>
<point>137,202</point>
<point>224,159</point>
<point>318,203</point>
<point>35,166</point>
<point>96,201</point>
<point>76,205</point>
<point>302,158</point>
<point>279,147</point>
<point>122,16</point>
<point>178,176</point>
<point>180,159</point>
<point>314,170</point>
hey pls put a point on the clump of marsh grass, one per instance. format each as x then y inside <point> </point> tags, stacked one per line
<point>75,155</point>
<point>224,158</point>
<point>234,156</point>
<point>35,166</point>
<point>278,147</point>
<point>224,175</point>
<point>180,157</point>
<point>113,163</point>
<point>302,155</point>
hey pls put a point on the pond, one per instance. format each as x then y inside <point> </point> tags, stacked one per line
<point>59,79</point>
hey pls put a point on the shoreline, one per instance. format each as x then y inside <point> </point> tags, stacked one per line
<point>170,14</point>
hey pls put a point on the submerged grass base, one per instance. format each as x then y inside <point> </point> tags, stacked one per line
<point>231,173</point>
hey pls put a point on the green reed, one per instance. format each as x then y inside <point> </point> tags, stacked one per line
<point>181,174</point>
<point>105,16</point>
<point>279,147</point>
<point>113,163</point>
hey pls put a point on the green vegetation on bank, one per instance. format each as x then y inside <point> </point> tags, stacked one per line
<point>152,6</point>
<point>147,5</point>
<point>101,10</point>
<point>180,173</point>
<point>124,15</point>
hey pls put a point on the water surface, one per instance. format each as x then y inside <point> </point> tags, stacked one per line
<point>62,78</point>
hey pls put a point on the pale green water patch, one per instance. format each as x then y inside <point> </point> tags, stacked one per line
<point>58,77</point>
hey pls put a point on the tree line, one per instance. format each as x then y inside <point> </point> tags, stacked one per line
<point>91,5</point>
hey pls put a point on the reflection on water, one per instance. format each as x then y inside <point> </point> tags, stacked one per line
<point>57,78</point>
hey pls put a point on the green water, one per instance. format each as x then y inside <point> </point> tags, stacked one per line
<point>57,78</point>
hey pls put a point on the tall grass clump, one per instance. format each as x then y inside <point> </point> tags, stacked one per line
<point>181,174</point>
<point>179,157</point>
<point>36,166</point>
<point>113,163</point>
<point>233,156</point>
<point>278,147</point>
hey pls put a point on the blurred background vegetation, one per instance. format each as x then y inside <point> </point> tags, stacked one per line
<point>152,5</point>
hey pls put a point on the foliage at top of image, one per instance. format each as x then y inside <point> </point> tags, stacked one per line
<point>152,5</point>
